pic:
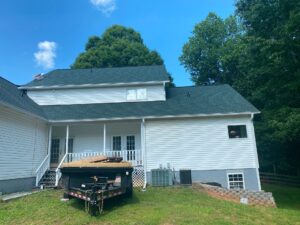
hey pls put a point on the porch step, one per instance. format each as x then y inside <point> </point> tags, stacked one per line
<point>48,180</point>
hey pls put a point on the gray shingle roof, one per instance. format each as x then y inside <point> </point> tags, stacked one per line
<point>11,95</point>
<point>61,77</point>
<point>180,101</point>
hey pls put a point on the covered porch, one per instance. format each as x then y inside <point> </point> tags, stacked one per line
<point>74,141</point>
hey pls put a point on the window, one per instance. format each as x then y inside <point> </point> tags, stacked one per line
<point>116,143</point>
<point>136,94</point>
<point>142,94</point>
<point>130,143</point>
<point>238,131</point>
<point>235,181</point>
<point>131,95</point>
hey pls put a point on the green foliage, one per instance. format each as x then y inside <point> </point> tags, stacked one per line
<point>118,46</point>
<point>174,205</point>
<point>204,54</point>
<point>260,57</point>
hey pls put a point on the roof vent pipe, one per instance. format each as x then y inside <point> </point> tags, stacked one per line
<point>39,76</point>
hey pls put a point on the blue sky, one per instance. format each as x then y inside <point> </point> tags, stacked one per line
<point>62,28</point>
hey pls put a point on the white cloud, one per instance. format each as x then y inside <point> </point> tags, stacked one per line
<point>105,6</point>
<point>45,56</point>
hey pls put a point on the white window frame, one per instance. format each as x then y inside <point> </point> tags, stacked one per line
<point>141,89</point>
<point>136,98</point>
<point>237,173</point>
<point>239,124</point>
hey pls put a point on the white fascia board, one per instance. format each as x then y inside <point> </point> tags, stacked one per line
<point>154,117</point>
<point>91,85</point>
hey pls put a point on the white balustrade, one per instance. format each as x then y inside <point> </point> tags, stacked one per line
<point>41,170</point>
<point>132,156</point>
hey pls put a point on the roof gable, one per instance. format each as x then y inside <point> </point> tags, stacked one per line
<point>116,75</point>
<point>12,96</point>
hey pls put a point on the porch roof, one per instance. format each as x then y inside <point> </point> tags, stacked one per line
<point>206,100</point>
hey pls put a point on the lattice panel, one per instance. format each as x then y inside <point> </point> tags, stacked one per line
<point>138,176</point>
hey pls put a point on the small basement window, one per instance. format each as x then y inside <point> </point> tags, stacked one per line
<point>235,181</point>
<point>237,131</point>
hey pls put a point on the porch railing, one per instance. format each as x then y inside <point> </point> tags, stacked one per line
<point>40,171</point>
<point>132,156</point>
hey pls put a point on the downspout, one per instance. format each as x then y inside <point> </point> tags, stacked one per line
<point>255,149</point>
<point>144,153</point>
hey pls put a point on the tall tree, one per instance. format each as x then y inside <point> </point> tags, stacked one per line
<point>210,52</point>
<point>260,57</point>
<point>271,78</point>
<point>118,46</point>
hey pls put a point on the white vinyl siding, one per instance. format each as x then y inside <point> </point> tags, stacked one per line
<point>93,95</point>
<point>199,144</point>
<point>23,144</point>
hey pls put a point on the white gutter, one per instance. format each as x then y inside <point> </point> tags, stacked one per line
<point>90,85</point>
<point>153,117</point>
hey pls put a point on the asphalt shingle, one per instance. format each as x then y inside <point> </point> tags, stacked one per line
<point>218,99</point>
<point>61,77</point>
<point>11,95</point>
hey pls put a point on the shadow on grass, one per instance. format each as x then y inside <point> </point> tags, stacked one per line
<point>285,197</point>
<point>109,204</point>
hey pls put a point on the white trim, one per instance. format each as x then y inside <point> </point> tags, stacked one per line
<point>143,148</point>
<point>49,140</point>
<point>152,117</point>
<point>91,85</point>
<point>237,173</point>
<point>237,124</point>
<point>67,140</point>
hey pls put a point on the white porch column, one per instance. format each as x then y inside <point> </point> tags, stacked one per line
<point>143,146</point>
<point>49,140</point>
<point>67,139</point>
<point>104,138</point>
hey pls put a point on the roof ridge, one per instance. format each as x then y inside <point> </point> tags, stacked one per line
<point>114,67</point>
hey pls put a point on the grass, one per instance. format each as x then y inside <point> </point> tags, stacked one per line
<point>155,206</point>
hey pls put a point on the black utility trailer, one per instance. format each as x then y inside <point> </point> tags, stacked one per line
<point>96,180</point>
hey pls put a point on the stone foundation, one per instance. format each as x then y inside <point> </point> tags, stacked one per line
<point>257,198</point>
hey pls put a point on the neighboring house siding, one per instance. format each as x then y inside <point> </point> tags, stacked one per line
<point>92,95</point>
<point>199,144</point>
<point>23,144</point>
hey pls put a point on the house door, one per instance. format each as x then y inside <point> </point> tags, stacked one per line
<point>54,156</point>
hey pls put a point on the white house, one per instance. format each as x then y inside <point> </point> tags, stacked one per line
<point>131,112</point>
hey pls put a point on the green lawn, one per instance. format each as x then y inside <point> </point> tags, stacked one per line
<point>155,206</point>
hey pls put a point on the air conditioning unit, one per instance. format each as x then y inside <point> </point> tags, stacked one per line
<point>185,177</point>
<point>161,177</point>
